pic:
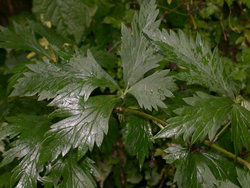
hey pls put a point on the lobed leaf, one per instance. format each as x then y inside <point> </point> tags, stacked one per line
<point>79,77</point>
<point>71,17</point>
<point>26,148</point>
<point>199,169</point>
<point>202,119</point>
<point>138,58</point>
<point>240,128</point>
<point>21,37</point>
<point>204,66</point>
<point>136,52</point>
<point>174,153</point>
<point>68,172</point>
<point>86,125</point>
<point>243,177</point>
<point>152,90</point>
<point>137,137</point>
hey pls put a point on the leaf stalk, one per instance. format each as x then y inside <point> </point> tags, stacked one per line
<point>221,131</point>
<point>206,142</point>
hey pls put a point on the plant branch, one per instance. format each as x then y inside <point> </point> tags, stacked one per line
<point>221,131</point>
<point>229,154</point>
<point>142,114</point>
<point>206,142</point>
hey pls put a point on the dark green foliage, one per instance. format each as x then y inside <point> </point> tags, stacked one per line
<point>240,126</point>
<point>69,17</point>
<point>86,125</point>
<point>205,67</point>
<point>137,55</point>
<point>74,174</point>
<point>199,168</point>
<point>21,37</point>
<point>90,80</point>
<point>200,120</point>
<point>243,178</point>
<point>27,147</point>
<point>137,137</point>
<point>151,95</point>
<point>79,77</point>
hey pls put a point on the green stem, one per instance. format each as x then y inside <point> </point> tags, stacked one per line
<point>206,142</point>
<point>229,154</point>
<point>139,113</point>
<point>221,131</point>
<point>123,93</point>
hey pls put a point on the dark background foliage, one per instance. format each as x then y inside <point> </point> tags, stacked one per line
<point>223,23</point>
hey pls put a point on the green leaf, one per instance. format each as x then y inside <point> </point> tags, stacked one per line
<point>152,90</point>
<point>112,136</point>
<point>138,58</point>
<point>79,77</point>
<point>5,179</point>
<point>21,37</point>
<point>137,137</point>
<point>66,173</point>
<point>18,72</point>
<point>26,148</point>
<point>199,168</point>
<point>240,128</point>
<point>226,184</point>
<point>243,178</point>
<point>195,122</point>
<point>136,52</point>
<point>204,66</point>
<point>27,171</point>
<point>247,3</point>
<point>86,125</point>
<point>49,34</point>
<point>174,153</point>
<point>71,17</point>
<point>23,127</point>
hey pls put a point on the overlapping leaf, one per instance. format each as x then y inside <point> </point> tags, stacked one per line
<point>137,137</point>
<point>26,147</point>
<point>226,184</point>
<point>71,17</point>
<point>240,128</point>
<point>48,33</point>
<point>174,153</point>
<point>79,77</point>
<point>86,125</point>
<point>152,90</point>
<point>199,169</point>
<point>202,119</point>
<point>243,178</point>
<point>204,66</point>
<point>138,58</point>
<point>67,173</point>
<point>21,37</point>
<point>137,55</point>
